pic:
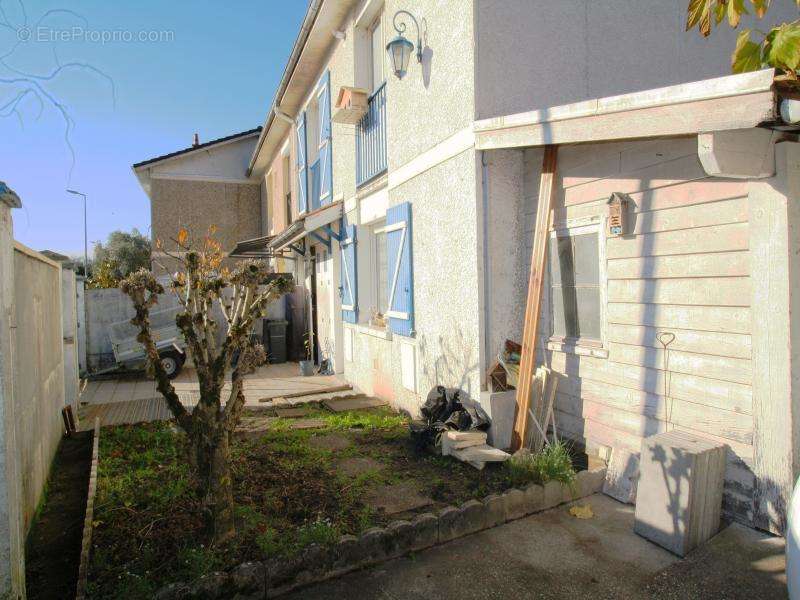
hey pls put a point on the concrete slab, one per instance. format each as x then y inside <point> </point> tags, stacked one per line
<point>292,413</point>
<point>548,555</point>
<point>341,405</point>
<point>308,424</point>
<point>593,558</point>
<point>268,381</point>
<point>331,441</point>
<point>358,465</point>
<point>396,498</point>
<point>737,563</point>
<point>622,476</point>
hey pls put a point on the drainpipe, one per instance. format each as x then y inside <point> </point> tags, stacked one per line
<point>486,287</point>
<point>790,111</point>
<point>282,115</point>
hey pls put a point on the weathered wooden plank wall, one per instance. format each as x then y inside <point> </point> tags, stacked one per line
<point>684,268</point>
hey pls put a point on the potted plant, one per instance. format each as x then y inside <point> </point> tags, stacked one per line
<point>307,365</point>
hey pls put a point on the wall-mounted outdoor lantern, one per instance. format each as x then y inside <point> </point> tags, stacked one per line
<point>399,48</point>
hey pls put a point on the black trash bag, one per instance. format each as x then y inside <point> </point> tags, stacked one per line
<point>443,410</point>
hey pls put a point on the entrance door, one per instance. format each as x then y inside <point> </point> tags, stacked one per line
<point>325,300</point>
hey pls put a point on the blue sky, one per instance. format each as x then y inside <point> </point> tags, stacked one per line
<point>213,69</point>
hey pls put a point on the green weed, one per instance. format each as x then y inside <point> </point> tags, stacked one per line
<point>552,463</point>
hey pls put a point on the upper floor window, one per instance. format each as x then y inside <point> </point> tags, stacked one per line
<point>377,54</point>
<point>287,188</point>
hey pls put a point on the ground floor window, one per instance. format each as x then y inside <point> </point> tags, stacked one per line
<point>575,285</point>
<point>381,272</point>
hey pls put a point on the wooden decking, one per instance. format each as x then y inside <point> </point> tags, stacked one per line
<point>120,413</point>
<point>121,401</point>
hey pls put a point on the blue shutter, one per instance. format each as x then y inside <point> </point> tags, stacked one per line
<point>349,280</point>
<point>325,154</point>
<point>302,165</point>
<point>400,275</point>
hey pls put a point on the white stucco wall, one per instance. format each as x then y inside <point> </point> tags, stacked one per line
<point>532,54</point>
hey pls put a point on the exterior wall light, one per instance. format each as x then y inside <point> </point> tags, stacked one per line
<point>399,48</point>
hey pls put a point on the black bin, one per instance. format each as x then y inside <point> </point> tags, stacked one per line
<point>275,332</point>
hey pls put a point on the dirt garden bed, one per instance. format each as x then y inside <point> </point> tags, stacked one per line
<point>298,482</point>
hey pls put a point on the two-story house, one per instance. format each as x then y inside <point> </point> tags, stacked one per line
<point>403,196</point>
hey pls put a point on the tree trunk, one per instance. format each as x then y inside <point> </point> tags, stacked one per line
<point>212,448</point>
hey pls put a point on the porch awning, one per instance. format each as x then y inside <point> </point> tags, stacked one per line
<point>254,248</point>
<point>290,235</point>
<point>740,101</point>
<point>310,223</point>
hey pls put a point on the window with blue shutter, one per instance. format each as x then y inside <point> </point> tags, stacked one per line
<point>302,165</point>
<point>325,154</point>
<point>401,281</point>
<point>349,281</point>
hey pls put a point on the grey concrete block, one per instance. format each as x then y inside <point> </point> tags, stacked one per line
<point>458,522</point>
<point>316,561</point>
<point>534,498</point>
<point>212,586</point>
<point>373,544</point>
<point>622,476</point>
<point>679,497</point>
<point>426,529</point>
<point>569,492</point>
<point>281,570</point>
<point>347,553</point>
<point>500,407</point>
<point>553,494</point>
<point>515,504</point>
<point>590,481</point>
<point>400,538</point>
<point>173,591</point>
<point>494,507</point>
<point>249,578</point>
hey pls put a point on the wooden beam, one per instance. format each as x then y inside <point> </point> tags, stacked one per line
<point>719,114</point>
<point>547,191</point>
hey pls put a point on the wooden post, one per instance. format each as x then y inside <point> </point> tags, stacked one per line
<point>538,257</point>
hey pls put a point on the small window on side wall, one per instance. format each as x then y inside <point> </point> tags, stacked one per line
<point>575,287</point>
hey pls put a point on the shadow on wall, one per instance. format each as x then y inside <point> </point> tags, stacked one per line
<point>455,364</point>
<point>648,408</point>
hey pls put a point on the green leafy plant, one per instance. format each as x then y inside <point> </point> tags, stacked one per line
<point>552,463</point>
<point>778,48</point>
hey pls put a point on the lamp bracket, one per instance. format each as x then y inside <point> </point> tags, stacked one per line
<point>400,28</point>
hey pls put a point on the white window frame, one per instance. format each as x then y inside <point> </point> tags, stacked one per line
<point>375,230</point>
<point>376,22</point>
<point>582,346</point>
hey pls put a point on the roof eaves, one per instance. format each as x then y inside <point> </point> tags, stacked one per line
<point>222,140</point>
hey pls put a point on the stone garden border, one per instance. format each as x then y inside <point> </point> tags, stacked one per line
<point>86,542</point>
<point>274,577</point>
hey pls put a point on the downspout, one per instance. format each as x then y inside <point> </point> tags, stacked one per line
<point>486,286</point>
<point>294,57</point>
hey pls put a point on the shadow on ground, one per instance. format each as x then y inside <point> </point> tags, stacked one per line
<point>554,555</point>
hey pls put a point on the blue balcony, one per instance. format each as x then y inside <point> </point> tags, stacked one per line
<point>371,139</point>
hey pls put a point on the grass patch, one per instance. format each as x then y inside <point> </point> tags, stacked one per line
<point>288,492</point>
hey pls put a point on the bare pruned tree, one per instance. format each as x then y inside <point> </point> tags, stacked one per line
<point>243,295</point>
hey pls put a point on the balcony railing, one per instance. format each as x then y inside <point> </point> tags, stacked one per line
<point>371,139</point>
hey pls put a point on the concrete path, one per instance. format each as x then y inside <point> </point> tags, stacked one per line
<point>554,555</point>
<point>135,400</point>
